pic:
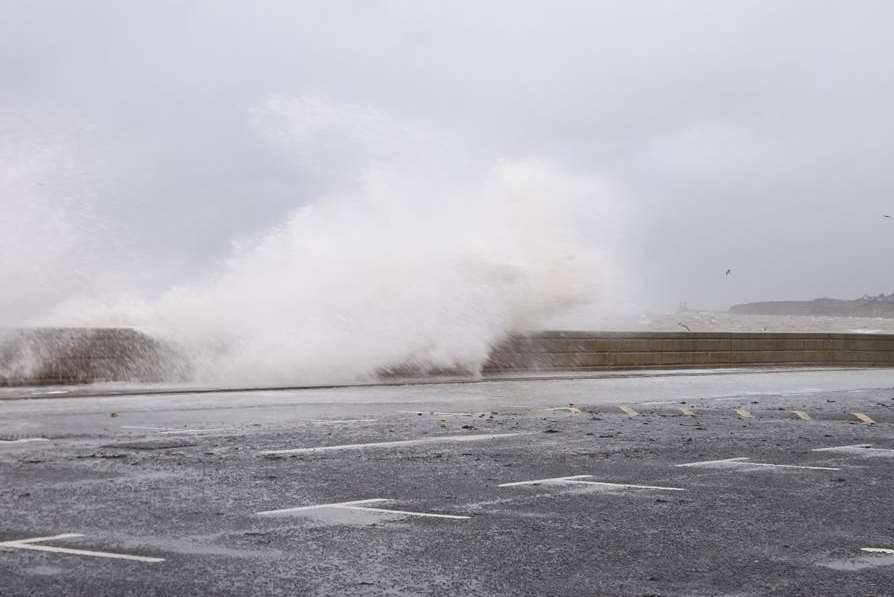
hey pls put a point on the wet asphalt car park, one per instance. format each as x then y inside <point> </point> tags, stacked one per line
<point>757,483</point>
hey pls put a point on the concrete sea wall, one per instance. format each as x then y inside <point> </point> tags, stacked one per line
<point>573,351</point>
<point>44,356</point>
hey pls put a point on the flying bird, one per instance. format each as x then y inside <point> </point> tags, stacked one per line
<point>729,271</point>
<point>887,216</point>
<point>684,326</point>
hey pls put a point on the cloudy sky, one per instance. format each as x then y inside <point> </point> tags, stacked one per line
<point>141,141</point>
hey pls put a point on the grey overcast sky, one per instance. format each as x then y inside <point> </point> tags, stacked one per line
<point>141,140</point>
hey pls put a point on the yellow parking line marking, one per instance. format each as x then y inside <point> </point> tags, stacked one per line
<point>688,412</point>
<point>865,419</point>
<point>744,413</point>
<point>628,411</point>
<point>801,415</point>
<point>568,409</point>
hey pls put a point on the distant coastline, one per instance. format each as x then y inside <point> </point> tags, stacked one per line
<point>881,305</point>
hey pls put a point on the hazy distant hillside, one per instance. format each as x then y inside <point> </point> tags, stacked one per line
<point>868,306</point>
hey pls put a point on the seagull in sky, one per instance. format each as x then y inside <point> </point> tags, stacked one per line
<point>684,326</point>
<point>729,271</point>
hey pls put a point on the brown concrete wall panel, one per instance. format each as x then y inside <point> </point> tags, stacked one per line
<point>611,350</point>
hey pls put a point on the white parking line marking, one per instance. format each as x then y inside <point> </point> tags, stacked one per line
<point>801,415</point>
<point>341,421</point>
<point>171,430</point>
<point>176,431</point>
<point>837,448</point>
<point>883,550</point>
<point>395,444</point>
<point>864,418</point>
<point>439,414</point>
<point>627,485</point>
<point>581,480</point>
<point>335,505</point>
<point>745,461</point>
<point>50,538</point>
<point>24,440</point>
<point>550,480</point>
<point>31,544</point>
<point>858,449</point>
<point>796,466</point>
<point>356,505</point>
<point>406,513</point>
<point>881,556</point>
<point>710,462</point>
<point>628,411</point>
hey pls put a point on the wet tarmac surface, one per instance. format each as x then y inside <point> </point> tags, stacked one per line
<point>757,484</point>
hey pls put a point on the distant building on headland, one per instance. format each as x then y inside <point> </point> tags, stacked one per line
<point>868,306</point>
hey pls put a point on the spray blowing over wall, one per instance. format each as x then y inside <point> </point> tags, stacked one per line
<point>404,258</point>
